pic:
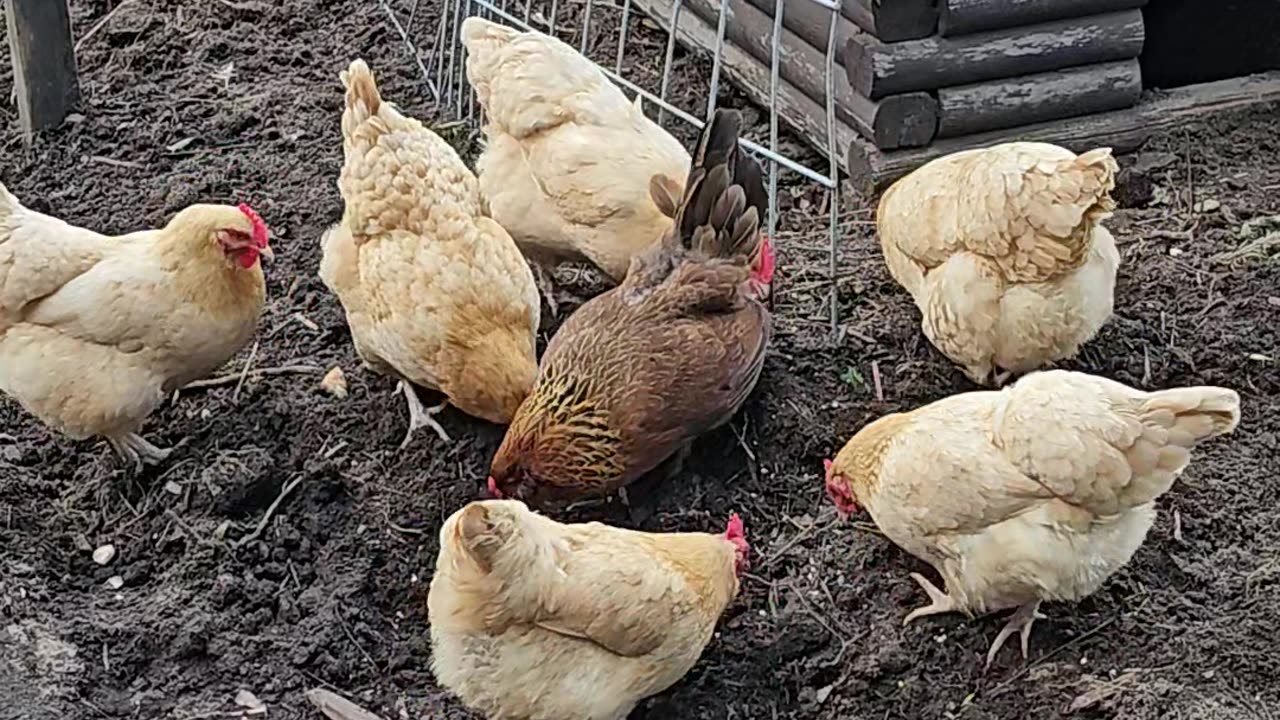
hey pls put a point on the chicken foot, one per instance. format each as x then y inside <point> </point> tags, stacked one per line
<point>420,416</point>
<point>133,449</point>
<point>542,277</point>
<point>1020,622</point>
<point>940,601</point>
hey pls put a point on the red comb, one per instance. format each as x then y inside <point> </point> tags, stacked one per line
<point>493,488</point>
<point>768,261</point>
<point>259,227</point>
<point>735,530</point>
<point>826,465</point>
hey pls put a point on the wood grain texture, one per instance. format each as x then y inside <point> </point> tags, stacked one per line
<point>44,62</point>
<point>997,104</point>
<point>1122,130</point>
<point>907,120</point>
<point>890,20</point>
<point>812,22</point>
<point>962,17</point>
<point>807,117</point>
<point>878,69</point>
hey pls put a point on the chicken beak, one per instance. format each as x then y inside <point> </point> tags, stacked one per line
<point>266,253</point>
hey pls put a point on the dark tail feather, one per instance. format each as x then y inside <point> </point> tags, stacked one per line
<point>724,199</point>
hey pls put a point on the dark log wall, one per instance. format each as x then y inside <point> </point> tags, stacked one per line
<point>997,104</point>
<point>961,17</point>
<point>1194,41</point>
<point>877,69</point>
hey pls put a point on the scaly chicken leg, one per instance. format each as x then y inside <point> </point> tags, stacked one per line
<point>132,448</point>
<point>420,416</point>
<point>942,602</point>
<point>1020,622</point>
<point>542,277</point>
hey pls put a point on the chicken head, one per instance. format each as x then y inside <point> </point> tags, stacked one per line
<point>239,232</point>
<point>839,491</point>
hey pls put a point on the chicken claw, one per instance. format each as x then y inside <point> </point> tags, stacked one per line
<point>942,602</point>
<point>420,416</point>
<point>1019,621</point>
<point>132,448</point>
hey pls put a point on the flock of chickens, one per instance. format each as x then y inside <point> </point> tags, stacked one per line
<point>1037,492</point>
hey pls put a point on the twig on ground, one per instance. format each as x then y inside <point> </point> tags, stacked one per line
<point>260,372</point>
<point>875,378</point>
<point>336,707</point>
<point>100,24</point>
<point>266,517</point>
<point>190,531</point>
<point>244,373</point>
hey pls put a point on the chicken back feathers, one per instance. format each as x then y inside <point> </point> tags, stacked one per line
<point>531,618</point>
<point>639,372</point>
<point>435,292</point>
<point>568,158</point>
<point>95,331</point>
<point>1002,250</point>
<point>1038,492</point>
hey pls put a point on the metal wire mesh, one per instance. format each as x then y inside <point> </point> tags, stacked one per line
<point>444,74</point>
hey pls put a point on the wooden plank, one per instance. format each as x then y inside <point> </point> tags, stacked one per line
<point>807,117</point>
<point>878,69</point>
<point>44,62</point>
<point>1122,130</point>
<point>962,17</point>
<point>907,120</point>
<point>812,22</point>
<point>997,104</point>
<point>889,20</point>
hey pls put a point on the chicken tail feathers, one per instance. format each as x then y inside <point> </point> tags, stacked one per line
<point>363,99</point>
<point>1194,414</point>
<point>724,199</point>
<point>1095,173</point>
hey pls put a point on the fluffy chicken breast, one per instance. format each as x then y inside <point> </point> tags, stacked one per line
<point>436,293</point>
<point>636,374</point>
<point>532,619</point>
<point>1002,251</point>
<point>567,159</point>
<point>95,331</point>
<point>1038,492</point>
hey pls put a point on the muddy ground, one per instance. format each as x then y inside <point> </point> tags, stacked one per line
<point>226,101</point>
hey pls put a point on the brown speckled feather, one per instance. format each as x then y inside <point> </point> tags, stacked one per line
<point>668,355</point>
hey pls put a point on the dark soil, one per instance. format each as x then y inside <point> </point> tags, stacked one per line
<point>331,591</point>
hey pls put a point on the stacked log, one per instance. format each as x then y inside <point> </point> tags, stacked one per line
<point>920,78</point>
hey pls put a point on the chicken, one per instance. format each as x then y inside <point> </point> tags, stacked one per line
<point>436,294</point>
<point>532,619</point>
<point>568,158</point>
<point>1002,250</point>
<point>1037,492</point>
<point>637,373</point>
<point>96,331</point>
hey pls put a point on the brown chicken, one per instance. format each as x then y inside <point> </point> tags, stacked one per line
<point>637,373</point>
<point>435,293</point>
<point>96,331</point>
<point>567,158</point>
<point>1038,492</point>
<point>1002,250</point>
<point>532,619</point>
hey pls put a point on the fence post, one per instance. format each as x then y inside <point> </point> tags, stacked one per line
<point>44,62</point>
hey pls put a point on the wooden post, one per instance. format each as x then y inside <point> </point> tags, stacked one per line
<point>891,20</point>
<point>44,62</point>
<point>877,69</point>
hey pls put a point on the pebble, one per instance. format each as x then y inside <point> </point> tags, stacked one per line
<point>115,582</point>
<point>104,554</point>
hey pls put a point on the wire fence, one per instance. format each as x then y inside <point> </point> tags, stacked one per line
<point>444,74</point>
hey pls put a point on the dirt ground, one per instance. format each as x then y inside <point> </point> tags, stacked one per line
<point>225,589</point>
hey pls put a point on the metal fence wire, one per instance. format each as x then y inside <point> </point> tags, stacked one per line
<point>444,74</point>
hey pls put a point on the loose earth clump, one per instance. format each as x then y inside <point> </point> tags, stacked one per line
<point>288,545</point>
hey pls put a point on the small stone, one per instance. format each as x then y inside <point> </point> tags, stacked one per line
<point>115,582</point>
<point>104,554</point>
<point>1175,252</point>
<point>822,694</point>
<point>173,488</point>
<point>335,383</point>
<point>246,699</point>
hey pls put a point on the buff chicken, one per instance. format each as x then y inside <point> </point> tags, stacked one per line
<point>96,331</point>
<point>1036,493</point>
<point>568,159</point>
<point>436,293</point>
<point>1003,252</point>
<point>637,373</point>
<point>532,619</point>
